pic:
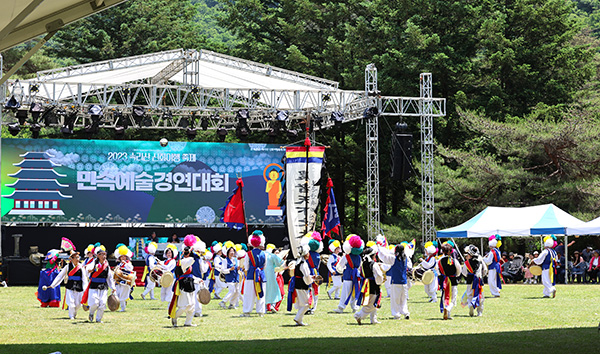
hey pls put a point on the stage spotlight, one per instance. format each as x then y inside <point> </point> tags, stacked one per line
<point>120,123</point>
<point>400,127</point>
<point>34,88</point>
<point>204,123</point>
<point>36,109</point>
<point>326,97</point>
<point>12,103</point>
<point>317,120</point>
<point>242,129</point>
<point>21,116</point>
<point>222,133</point>
<point>138,113</point>
<point>195,90</point>
<point>35,130</point>
<point>191,133</point>
<point>370,112</point>
<point>14,128</point>
<point>256,95</point>
<point>337,117</point>
<point>242,114</point>
<point>95,112</point>
<point>282,116</point>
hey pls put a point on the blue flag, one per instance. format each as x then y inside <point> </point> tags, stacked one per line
<point>331,222</point>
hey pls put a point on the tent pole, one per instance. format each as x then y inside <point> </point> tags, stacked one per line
<point>481,242</point>
<point>566,260</point>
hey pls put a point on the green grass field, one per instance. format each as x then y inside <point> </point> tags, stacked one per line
<point>519,321</point>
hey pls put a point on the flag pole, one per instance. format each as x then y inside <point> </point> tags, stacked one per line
<point>239,176</point>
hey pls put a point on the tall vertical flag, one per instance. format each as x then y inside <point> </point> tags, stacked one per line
<point>233,211</point>
<point>303,171</point>
<point>331,221</point>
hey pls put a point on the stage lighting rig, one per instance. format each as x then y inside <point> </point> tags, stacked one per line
<point>256,95</point>
<point>242,129</point>
<point>34,89</point>
<point>69,123</point>
<point>35,130</point>
<point>36,109</point>
<point>326,97</point>
<point>12,104</point>
<point>204,123</point>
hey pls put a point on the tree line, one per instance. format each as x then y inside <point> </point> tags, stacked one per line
<point>520,78</point>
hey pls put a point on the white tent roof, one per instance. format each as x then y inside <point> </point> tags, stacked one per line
<point>588,228</point>
<point>27,19</point>
<point>527,221</point>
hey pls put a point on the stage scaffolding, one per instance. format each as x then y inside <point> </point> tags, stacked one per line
<point>179,89</point>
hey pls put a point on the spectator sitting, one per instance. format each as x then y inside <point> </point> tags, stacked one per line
<point>175,239</point>
<point>511,270</point>
<point>578,269</point>
<point>153,238</point>
<point>587,254</point>
<point>594,267</point>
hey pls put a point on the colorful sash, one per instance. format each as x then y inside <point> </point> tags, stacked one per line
<point>258,277</point>
<point>445,286</point>
<point>177,291</point>
<point>497,268</point>
<point>355,279</point>
<point>100,269</point>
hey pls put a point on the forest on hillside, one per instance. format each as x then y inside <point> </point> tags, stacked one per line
<point>520,78</point>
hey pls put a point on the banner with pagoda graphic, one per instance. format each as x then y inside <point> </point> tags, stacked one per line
<point>53,180</point>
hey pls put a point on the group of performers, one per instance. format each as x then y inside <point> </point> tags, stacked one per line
<point>252,275</point>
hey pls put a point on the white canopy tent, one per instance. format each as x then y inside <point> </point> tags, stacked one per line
<point>527,221</point>
<point>588,228</point>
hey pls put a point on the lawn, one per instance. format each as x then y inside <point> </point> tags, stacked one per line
<point>519,321</point>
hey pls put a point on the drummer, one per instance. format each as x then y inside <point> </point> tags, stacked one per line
<point>430,263</point>
<point>123,254</point>
<point>183,290</point>
<point>150,264</point>
<point>547,259</point>
<point>101,279</point>
<point>166,292</point>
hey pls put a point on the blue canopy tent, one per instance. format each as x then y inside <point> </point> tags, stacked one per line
<point>508,222</point>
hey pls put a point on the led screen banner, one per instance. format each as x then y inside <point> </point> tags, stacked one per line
<point>53,180</point>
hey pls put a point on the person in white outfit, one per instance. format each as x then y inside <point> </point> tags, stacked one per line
<point>77,280</point>
<point>254,285</point>
<point>123,254</point>
<point>183,290</point>
<point>336,278</point>
<point>349,266</point>
<point>492,260</point>
<point>151,263</point>
<point>232,279</point>
<point>547,260</point>
<point>430,263</point>
<point>303,279</point>
<point>399,287</point>
<point>166,292</point>
<point>101,279</point>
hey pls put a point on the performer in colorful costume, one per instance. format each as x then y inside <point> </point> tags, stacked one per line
<point>349,266</point>
<point>254,285</point>
<point>219,285</point>
<point>315,243</point>
<point>123,255</point>
<point>371,291</point>
<point>474,270</point>
<point>547,259</point>
<point>399,286</point>
<point>232,277</point>
<point>273,294</point>
<point>201,268</point>
<point>492,259</point>
<point>77,281</point>
<point>300,285</point>
<point>89,254</point>
<point>335,247</point>
<point>101,279</point>
<point>49,297</point>
<point>430,263</point>
<point>183,290</point>
<point>166,293</point>
<point>449,268</point>
<point>151,262</point>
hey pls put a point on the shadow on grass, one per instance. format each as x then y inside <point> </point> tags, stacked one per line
<point>534,341</point>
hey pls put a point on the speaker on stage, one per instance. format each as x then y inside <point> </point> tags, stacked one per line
<point>401,156</point>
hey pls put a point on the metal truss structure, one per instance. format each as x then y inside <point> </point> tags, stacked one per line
<point>174,97</point>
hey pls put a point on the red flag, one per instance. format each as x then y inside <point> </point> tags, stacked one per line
<point>233,211</point>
